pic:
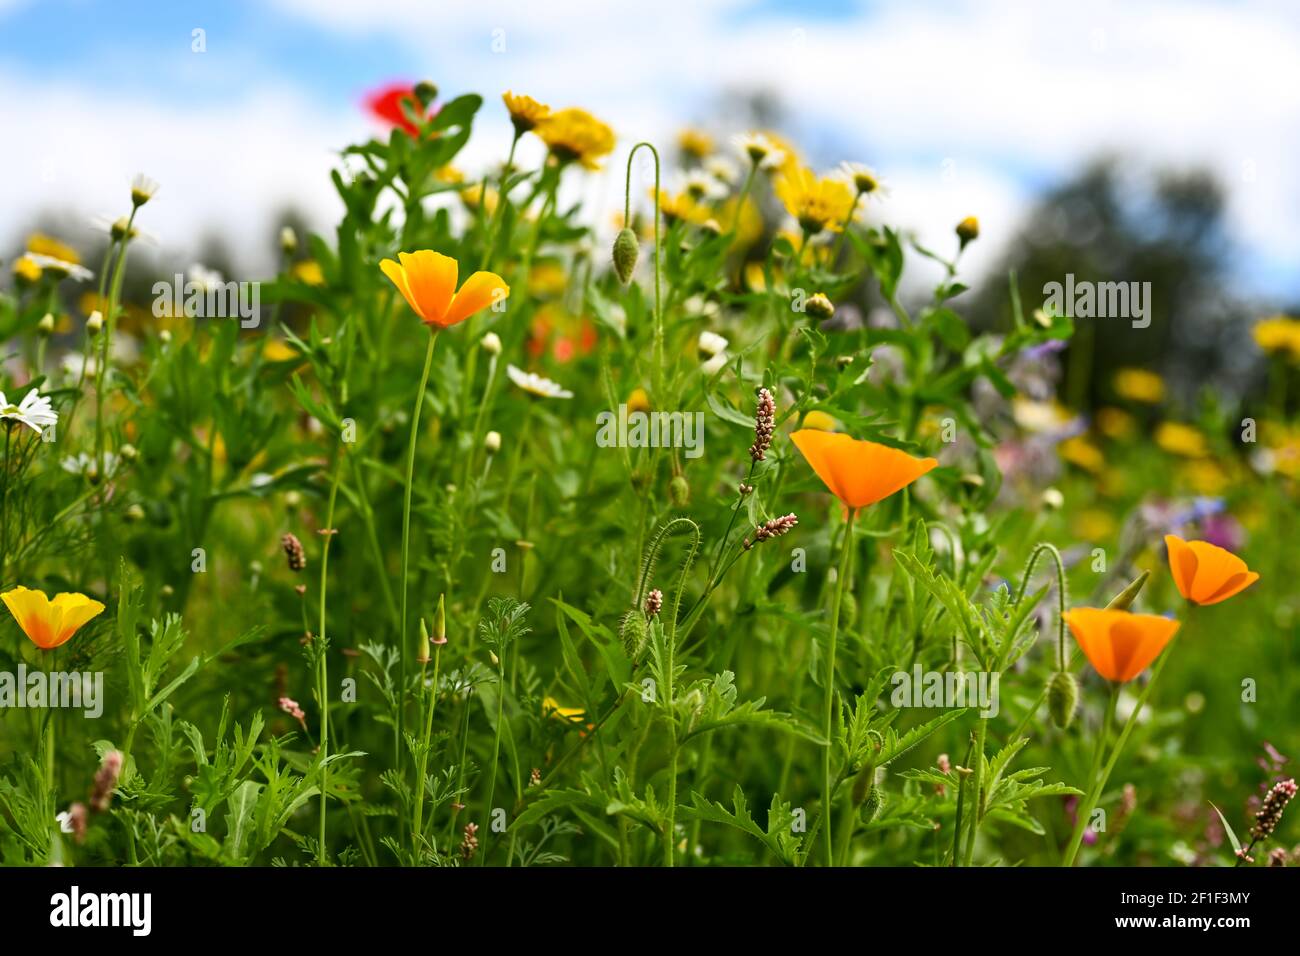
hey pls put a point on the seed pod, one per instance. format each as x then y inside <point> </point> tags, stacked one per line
<point>626,252</point>
<point>679,491</point>
<point>874,804</point>
<point>634,631</point>
<point>1062,698</point>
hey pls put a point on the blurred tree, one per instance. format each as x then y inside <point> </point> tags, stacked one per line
<point>1114,224</point>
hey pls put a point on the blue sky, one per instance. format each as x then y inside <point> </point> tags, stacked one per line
<point>963,106</point>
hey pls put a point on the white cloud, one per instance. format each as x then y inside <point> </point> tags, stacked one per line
<point>955,103</point>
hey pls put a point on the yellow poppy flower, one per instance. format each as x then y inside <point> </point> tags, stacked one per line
<point>427,280</point>
<point>859,473</point>
<point>1120,645</point>
<point>47,623</point>
<point>1206,573</point>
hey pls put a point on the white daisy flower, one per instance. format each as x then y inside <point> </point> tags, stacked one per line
<point>711,344</point>
<point>701,186</point>
<point>535,384</point>
<point>204,277</point>
<point>722,169</point>
<point>117,229</point>
<point>759,150</point>
<point>78,366</point>
<point>34,411</point>
<point>863,179</point>
<point>713,365</point>
<point>55,264</point>
<point>88,465</point>
<point>142,189</point>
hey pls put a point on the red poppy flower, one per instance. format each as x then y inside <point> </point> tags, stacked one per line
<point>386,105</point>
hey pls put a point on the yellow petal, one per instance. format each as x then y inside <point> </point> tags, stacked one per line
<point>397,276</point>
<point>75,610</point>
<point>480,290</point>
<point>431,277</point>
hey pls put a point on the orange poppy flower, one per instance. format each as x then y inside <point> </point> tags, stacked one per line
<point>1206,573</point>
<point>427,280</point>
<point>50,623</point>
<point>1120,644</point>
<point>859,473</point>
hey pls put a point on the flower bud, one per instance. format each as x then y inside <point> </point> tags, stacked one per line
<point>426,92</point>
<point>128,452</point>
<point>440,621</point>
<point>633,631</point>
<point>46,325</point>
<point>1124,600</point>
<point>491,343</point>
<point>134,513</point>
<point>288,241</point>
<point>1052,498</point>
<point>874,804</point>
<point>1062,698</point>
<point>626,251</point>
<point>164,336</point>
<point>819,306</point>
<point>679,491</point>
<point>94,323</point>
<point>424,656</point>
<point>492,442</point>
<point>968,230</point>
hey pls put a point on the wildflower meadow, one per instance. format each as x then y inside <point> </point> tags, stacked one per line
<point>499,530</point>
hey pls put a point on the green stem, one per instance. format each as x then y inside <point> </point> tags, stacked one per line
<point>1098,781</point>
<point>322,662</point>
<point>977,807</point>
<point>496,744</point>
<point>841,582</point>
<point>418,829</point>
<point>406,536</point>
<point>627,221</point>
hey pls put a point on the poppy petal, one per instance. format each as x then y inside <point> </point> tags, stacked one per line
<point>431,277</point>
<point>480,290</point>
<point>397,275</point>
<point>1182,564</point>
